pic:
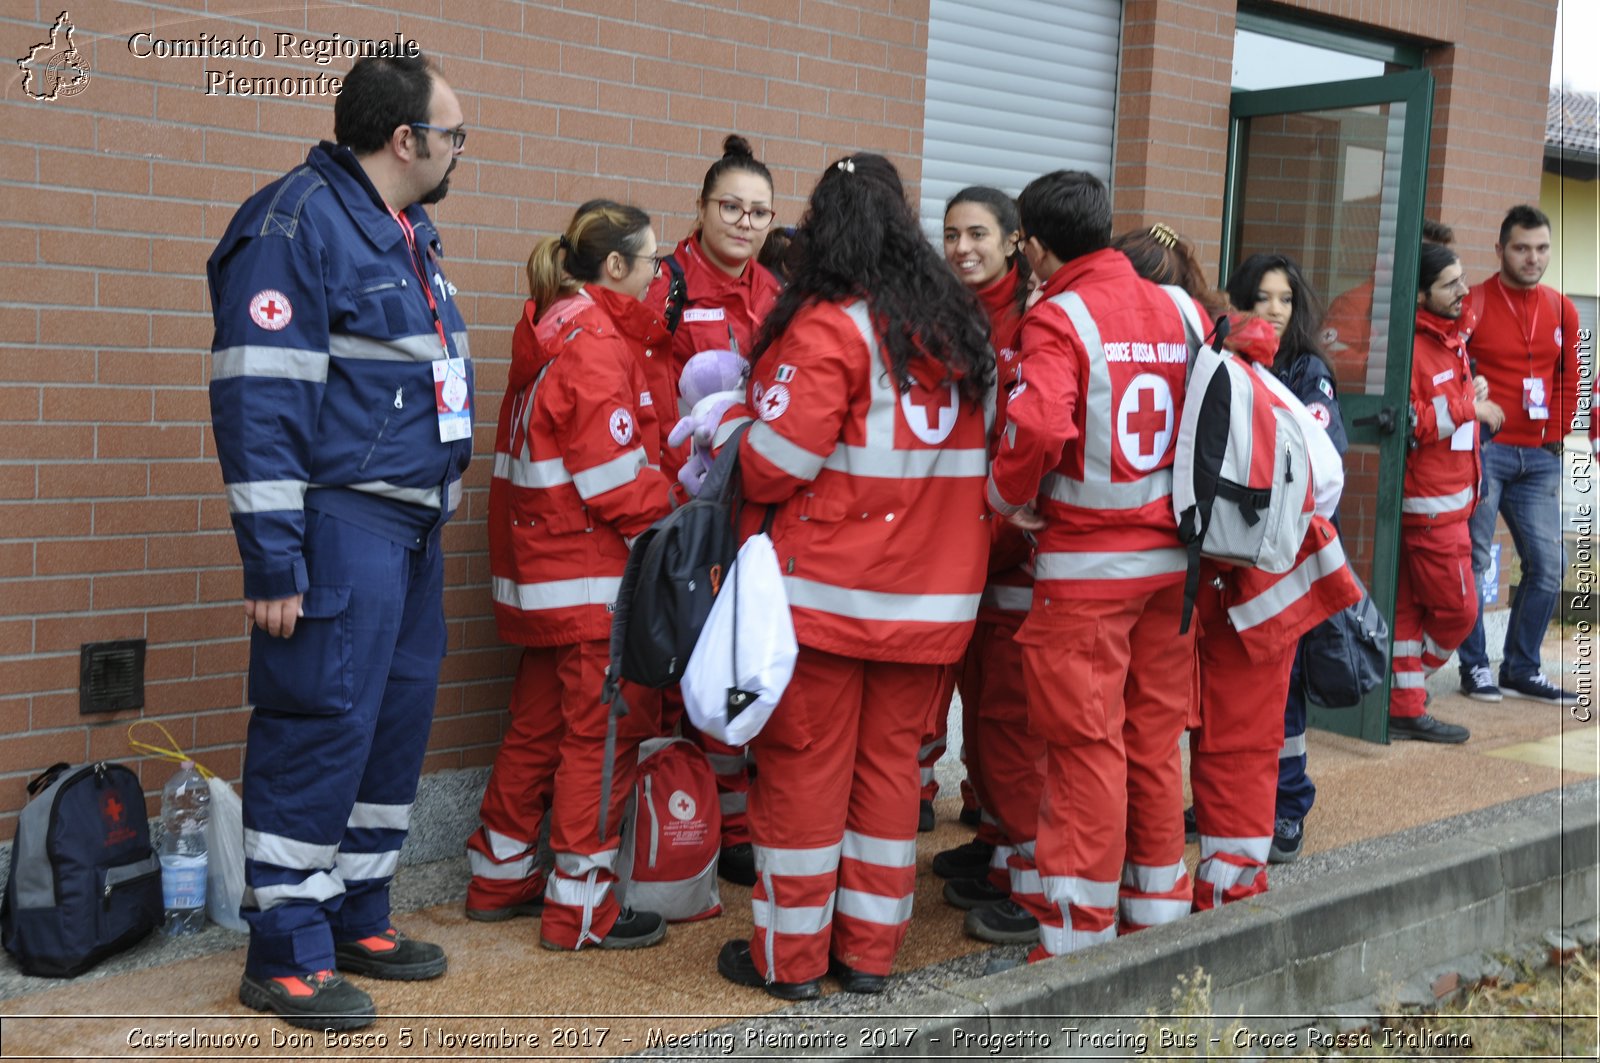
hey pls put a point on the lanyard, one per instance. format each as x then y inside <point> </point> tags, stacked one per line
<point>1532,328</point>
<point>427,289</point>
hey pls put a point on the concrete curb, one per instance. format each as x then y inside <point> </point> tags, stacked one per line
<point>1362,932</point>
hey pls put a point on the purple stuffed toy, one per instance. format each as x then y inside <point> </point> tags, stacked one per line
<point>711,382</point>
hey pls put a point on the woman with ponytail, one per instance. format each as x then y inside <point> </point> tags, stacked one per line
<point>576,478</point>
<point>872,395</point>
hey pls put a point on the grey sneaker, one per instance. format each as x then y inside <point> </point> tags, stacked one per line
<point>1287,834</point>
<point>1478,684</point>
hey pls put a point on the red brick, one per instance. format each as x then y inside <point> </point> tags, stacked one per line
<point>147,441</point>
<point>16,639</point>
<point>96,328</point>
<point>35,752</point>
<point>196,623</point>
<point>27,520</point>
<point>123,518</point>
<point>98,480</point>
<point>195,695</point>
<point>18,482</point>
<point>36,596</point>
<point>68,634</point>
<point>61,557</point>
<point>143,589</point>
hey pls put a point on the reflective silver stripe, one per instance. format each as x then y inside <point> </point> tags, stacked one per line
<point>1434,504</point>
<point>503,846</point>
<point>1149,489</point>
<point>1147,878</point>
<point>726,763</point>
<point>549,472</point>
<point>423,347</point>
<point>936,746</point>
<point>1096,402</point>
<point>1293,746</point>
<point>576,865</point>
<point>1025,850</point>
<point>1027,882</point>
<point>1441,416</point>
<point>927,775</point>
<point>380,817</point>
<point>514,870</point>
<point>267,496</point>
<point>790,920</point>
<point>997,501</point>
<point>1277,599</point>
<point>733,803</point>
<point>279,363</point>
<point>453,495</point>
<point>797,862</point>
<point>608,476</point>
<point>1409,679</point>
<point>881,852</point>
<point>362,867</point>
<point>1062,890</point>
<point>788,456</point>
<point>1011,599</point>
<point>1430,648</point>
<point>462,345</point>
<point>1407,648</point>
<point>316,888</point>
<point>1252,849</point>
<point>1153,911</point>
<point>1060,940</point>
<point>725,431</point>
<point>1099,565</point>
<point>576,892</point>
<point>880,411</point>
<point>426,497</point>
<point>874,907</point>
<point>880,605</point>
<point>1001,859</point>
<point>908,464</point>
<point>556,594</point>
<point>279,851</point>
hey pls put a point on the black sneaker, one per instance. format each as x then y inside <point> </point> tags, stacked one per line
<point>1006,923</point>
<point>1425,728</point>
<point>925,820</point>
<point>1477,684</point>
<point>964,861</point>
<point>392,956</point>
<point>1191,825</point>
<point>1287,834</point>
<point>853,981</point>
<point>736,964</point>
<point>737,864</point>
<point>320,1001</point>
<point>971,816</point>
<point>635,930</point>
<point>534,907</point>
<point>1537,687</point>
<point>970,893</point>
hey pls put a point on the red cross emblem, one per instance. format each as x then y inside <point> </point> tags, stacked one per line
<point>774,402</point>
<point>935,411</point>
<point>621,425</point>
<point>681,805</point>
<point>270,309</point>
<point>112,808</point>
<point>1145,421</point>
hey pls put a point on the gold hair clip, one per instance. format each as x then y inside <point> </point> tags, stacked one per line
<point>846,165</point>
<point>1164,235</point>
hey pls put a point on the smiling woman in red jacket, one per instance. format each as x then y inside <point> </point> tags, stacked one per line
<point>576,478</point>
<point>980,244</point>
<point>873,384</point>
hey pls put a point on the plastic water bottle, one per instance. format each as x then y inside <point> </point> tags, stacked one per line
<point>185,810</point>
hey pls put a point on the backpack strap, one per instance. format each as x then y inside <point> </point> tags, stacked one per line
<point>677,294</point>
<point>1193,536</point>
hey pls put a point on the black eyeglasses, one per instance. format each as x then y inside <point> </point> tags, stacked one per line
<point>733,213</point>
<point>458,135</point>
<point>655,262</point>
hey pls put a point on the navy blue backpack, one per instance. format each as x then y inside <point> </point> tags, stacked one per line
<point>84,883</point>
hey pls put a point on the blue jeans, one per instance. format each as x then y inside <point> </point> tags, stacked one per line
<point>1523,485</point>
<point>1296,791</point>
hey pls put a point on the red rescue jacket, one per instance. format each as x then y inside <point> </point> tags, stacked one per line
<point>1009,590</point>
<point>1442,470</point>
<point>576,467</point>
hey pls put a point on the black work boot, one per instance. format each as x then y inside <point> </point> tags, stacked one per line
<point>736,964</point>
<point>390,955</point>
<point>320,1001</point>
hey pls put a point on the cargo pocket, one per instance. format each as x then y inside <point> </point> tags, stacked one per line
<point>129,901</point>
<point>311,672</point>
<point>1061,651</point>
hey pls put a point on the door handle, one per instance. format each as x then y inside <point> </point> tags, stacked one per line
<point>1384,420</point>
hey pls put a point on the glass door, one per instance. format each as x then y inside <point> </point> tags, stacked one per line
<point>1334,175</point>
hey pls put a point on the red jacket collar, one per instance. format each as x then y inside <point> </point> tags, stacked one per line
<point>1000,294</point>
<point>1444,329</point>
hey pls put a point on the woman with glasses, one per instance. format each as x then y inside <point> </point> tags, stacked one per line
<point>727,294</point>
<point>576,478</point>
<point>871,391</point>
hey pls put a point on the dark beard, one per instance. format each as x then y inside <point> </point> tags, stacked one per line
<point>440,190</point>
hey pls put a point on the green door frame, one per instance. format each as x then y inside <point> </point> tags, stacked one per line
<point>1377,420</point>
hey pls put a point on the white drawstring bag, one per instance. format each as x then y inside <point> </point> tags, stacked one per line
<point>745,655</point>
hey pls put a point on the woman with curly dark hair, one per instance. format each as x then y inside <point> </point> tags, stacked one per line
<point>872,394</point>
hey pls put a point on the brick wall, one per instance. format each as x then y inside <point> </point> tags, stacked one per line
<point>112,520</point>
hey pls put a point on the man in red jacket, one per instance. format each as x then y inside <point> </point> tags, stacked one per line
<point>1526,346</point>
<point>1435,596</point>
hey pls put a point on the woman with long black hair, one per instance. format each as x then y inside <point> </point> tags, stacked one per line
<point>872,392</point>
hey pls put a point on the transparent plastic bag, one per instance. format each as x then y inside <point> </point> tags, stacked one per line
<point>225,856</point>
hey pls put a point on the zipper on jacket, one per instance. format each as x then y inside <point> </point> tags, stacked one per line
<point>655,822</point>
<point>385,286</point>
<point>382,428</point>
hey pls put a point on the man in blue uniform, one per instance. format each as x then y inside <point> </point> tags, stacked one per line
<point>341,401</point>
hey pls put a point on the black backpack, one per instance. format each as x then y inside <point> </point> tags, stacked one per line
<point>84,883</point>
<point>674,572</point>
<point>1345,656</point>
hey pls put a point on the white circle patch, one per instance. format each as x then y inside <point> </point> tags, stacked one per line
<point>681,805</point>
<point>1145,421</point>
<point>1329,335</point>
<point>621,425</point>
<point>1319,413</point>
<point>774,402</point>
<point>270,309</point>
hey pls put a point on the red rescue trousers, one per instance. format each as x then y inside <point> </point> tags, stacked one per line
<point>833,814</point>
<point>551,757</point>
<point>1109,686</point>
<point>1233,754</point>
<point>1004,762</point>
<point>937,738</point>
<point>1435,606</point>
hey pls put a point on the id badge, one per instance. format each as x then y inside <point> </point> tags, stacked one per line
<point>452,398</point>
<point>1534,399</point>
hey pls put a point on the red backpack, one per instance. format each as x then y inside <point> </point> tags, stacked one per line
<point>672,835</point>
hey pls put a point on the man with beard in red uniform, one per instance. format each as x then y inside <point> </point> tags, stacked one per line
<point>1085,462</point>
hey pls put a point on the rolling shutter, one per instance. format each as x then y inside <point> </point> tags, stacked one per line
<point>1015,90</point>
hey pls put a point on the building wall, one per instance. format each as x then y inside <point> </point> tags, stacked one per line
<point>1574,209</point>
<point>112,520</point>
